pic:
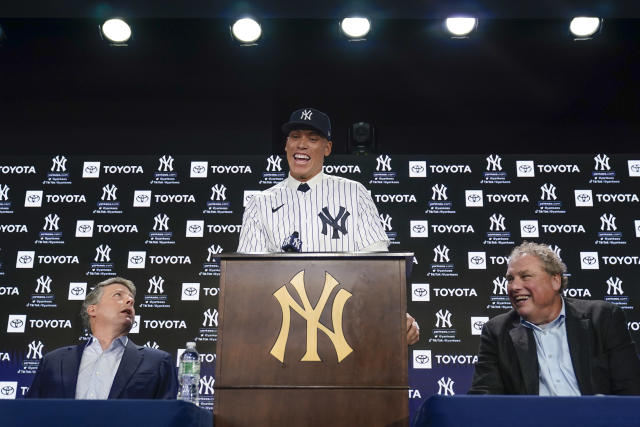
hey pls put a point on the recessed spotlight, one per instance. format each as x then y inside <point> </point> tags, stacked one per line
<point>355,27</point>
<point>116,30</point>
<point>461,26</point>
<point>246,30</point>
<point>584,26</point>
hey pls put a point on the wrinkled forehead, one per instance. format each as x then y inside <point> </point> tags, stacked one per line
<point>116,287</point>
<point>524,261</point>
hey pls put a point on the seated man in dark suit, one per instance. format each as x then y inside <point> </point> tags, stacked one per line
<point>553,346</point>
<point>109,365</point>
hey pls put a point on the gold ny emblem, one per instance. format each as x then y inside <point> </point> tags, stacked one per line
<point>312,316</point>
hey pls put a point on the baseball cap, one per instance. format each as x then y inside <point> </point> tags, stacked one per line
<point>309,118</point>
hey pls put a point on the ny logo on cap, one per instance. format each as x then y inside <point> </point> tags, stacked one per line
<point>306,114</point>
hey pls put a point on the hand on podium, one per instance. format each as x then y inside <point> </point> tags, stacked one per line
<point>413,330</point>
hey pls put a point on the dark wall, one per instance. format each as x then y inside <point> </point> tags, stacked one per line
<point>182,85</point>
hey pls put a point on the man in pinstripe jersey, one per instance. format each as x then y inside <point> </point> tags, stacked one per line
<point>311,211</point>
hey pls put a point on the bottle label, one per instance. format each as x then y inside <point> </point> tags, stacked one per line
<point>190,368</point>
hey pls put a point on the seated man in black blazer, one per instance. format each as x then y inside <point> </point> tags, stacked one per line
<point>109,365</point>
<point>553,346</point>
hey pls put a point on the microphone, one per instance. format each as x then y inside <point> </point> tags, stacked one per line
<point>292,243</point>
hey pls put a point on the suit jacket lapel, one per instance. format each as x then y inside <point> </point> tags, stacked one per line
<point>579,346</point>
<point>525,347</point>
<point>131,359</point>
<point>69,371</point>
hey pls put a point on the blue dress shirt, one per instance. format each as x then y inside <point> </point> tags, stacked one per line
<point>98,368</point>
<point>557,377</point>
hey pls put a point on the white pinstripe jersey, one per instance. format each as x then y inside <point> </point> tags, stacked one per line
<point>335,215</point>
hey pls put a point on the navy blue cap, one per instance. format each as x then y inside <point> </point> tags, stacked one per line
<point>309,118</point>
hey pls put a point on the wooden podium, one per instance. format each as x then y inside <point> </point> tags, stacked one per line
<point>310,339</point>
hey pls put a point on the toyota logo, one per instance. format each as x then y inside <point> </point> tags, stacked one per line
<point>194,228</point>
<point>420,292</point>
<point>135,323</point>
<point>589,260</point>
<point>417,168</point>
<point>198,169</point>
<point>422,359</point>
<point>142,198</point>
<point>419,228</point>
<point>635,168</point>
<point>7,390</point>
<point>473,198</point>
<point>84,228</point>
<point>478,325</point>
<point>16,323</point>
<point>33,198</point>
<point>136,259</point>
<point>477,260</point>
<point>190,291</point>
<point>524,168</point>
<point>25,259</point>
<point>77,291</point>
<point>91,169</point>
<point>583,198</point>
<point>529,228</point>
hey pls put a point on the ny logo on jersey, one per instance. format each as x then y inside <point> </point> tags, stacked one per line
<point>327,219</point>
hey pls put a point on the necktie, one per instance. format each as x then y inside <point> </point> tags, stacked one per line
<point>304,187</point>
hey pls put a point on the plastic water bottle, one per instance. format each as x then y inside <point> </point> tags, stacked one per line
<point>189,374</point>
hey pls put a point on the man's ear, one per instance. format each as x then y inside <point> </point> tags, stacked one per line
<point>327,148</point>
<point>91,310</point>
<point>556,282</point>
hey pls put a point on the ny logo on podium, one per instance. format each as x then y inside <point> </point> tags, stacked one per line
<point>312,316</point>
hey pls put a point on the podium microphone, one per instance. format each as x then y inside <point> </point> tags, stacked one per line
<point>292,243</point>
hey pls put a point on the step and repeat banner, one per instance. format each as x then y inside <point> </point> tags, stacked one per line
<point>68,222</point>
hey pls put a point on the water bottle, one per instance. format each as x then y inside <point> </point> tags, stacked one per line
<point>189,374</point>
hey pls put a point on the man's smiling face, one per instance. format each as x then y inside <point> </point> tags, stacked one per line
<point>306,150</point>
<point>533,292</point>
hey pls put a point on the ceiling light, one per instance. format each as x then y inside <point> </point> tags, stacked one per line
<point>116,30</point>
<point>584,26</point>
<point>461,26</point>
<point>355,28</point>
<point>246,30</point>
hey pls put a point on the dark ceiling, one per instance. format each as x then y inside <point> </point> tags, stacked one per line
<point>517,85</point>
